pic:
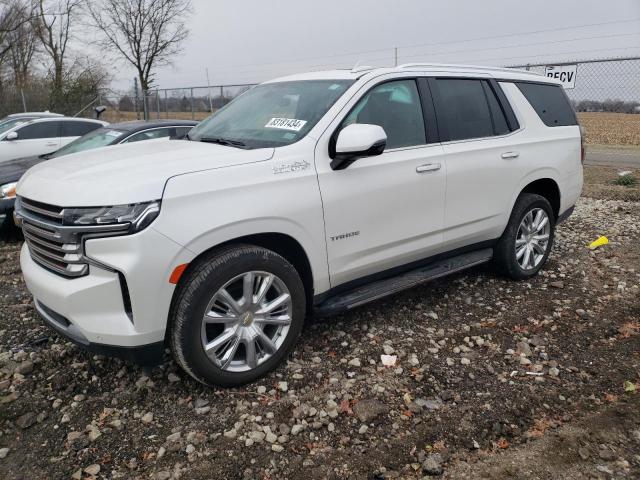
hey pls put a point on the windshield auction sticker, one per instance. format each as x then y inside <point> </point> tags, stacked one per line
<point>286,124</point>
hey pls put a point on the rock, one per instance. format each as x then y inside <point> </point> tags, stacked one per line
<point>200,402</point>
<point>554,372</point>
<point>354,362</point>
<point>262,390</point>
<point>4,452</point>
<point>190,449</point>
<point>523,348</point>
<point>434,404</point>
<point>608,455</point>
<point>367,410</point>
<point>388,349</point>
<point>147,417</point>
<point>203,410</point>
<point>297,428</point>
<point>465,361</point>
<point>233,433</point>
<point>283,386</point>
<point>433,315</point>
<point>161,452</point>
<point>277,448</point>
<point>257,437</point>
<point>433,464</point>
<point>26,420</point>
<point>363,429</point>
<point>556,284</point>
<point>92,469</point>
<point>79,398</point>
<point>24,368</point>
<point>163,475</point>
<point>174,437</point>
<point>77,475</point>
<point>173,378</point>
<point>525,361</point>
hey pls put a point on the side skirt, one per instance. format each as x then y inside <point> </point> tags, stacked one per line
<point>336,301</point>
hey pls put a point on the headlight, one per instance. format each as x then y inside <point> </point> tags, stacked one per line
<point>8,190</point>
<point>137,215</point>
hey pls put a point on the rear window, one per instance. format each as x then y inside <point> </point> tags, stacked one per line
<point>77,128</point>
<point>550,103</point>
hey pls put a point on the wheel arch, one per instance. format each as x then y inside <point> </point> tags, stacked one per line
<point>547,188</point>
<point>280,243</point>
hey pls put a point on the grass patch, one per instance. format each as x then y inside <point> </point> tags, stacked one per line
<point>626,180</point>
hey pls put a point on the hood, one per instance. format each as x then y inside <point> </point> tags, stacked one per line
<point>124,174</point>
<point>12,170</point>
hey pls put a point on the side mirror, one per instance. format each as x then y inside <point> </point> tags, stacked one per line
<point>11,136</point>
<point>358,140</point>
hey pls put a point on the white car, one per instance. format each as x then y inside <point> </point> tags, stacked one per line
<point>26,137</point>
<point>314,193</point>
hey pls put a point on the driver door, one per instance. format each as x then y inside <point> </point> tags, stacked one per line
<point>384,211</point>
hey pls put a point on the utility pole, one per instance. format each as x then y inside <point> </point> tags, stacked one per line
<point>396,56</point>
<point>135,93</point>
<point>209,88</point>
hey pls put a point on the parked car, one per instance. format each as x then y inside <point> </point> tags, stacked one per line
<point>114,134</point>
<point>14,119</point>
<point>311,194</point>
<point>43,135</point>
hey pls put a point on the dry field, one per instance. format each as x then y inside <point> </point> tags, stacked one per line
<point>611,128</point>
<point>602,128</point>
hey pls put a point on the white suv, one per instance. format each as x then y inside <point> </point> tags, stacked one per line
<point>313,193</point>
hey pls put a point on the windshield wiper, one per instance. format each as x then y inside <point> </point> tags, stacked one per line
<point>224,141</point>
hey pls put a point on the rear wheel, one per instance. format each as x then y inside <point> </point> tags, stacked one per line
<point>237,315</point>
<point>525,244</point>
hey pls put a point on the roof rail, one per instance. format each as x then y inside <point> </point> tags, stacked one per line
<point>446,65</point>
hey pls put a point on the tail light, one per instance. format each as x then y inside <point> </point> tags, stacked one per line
<point>583,150</point>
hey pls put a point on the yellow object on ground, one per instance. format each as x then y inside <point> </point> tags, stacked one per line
<point>598,243</point>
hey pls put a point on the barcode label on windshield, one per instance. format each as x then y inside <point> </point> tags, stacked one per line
<point>286,124</point>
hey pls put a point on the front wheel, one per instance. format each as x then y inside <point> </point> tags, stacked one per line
<point>238,314</point>
<point>525,244</point>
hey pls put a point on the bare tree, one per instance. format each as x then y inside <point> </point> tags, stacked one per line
<point>23,44</point>
<point>52,25</point>
<point>146,33</point>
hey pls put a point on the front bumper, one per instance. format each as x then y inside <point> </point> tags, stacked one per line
<point>144,355</point>
<point>121,307</point>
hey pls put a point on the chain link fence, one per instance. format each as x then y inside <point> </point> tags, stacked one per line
<point>606,95</point>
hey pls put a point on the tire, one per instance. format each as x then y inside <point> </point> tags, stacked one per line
<point>233,269</point>
<point>505,258</point>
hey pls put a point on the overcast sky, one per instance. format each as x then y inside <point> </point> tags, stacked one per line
<point>246,41</point>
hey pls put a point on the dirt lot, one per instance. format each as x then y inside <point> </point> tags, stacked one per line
<point>494,379</point>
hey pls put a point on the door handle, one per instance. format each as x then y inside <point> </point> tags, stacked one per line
<point>428,167</point>
<point>509,155</point>
<point>51,144</point>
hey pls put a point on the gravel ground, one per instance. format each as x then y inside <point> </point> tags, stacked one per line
<point>493,379</point>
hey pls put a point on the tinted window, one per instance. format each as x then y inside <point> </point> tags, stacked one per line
<point>550,103</point>
<point>464,109</point>
<point>39,130</point>
<point>182,131</point>
<point>148,135</point>
<point>396,107</point>
<point>77,129</point>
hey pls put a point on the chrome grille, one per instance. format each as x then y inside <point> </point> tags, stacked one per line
<point>51,245</point>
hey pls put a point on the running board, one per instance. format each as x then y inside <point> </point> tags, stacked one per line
<point>382,288</point>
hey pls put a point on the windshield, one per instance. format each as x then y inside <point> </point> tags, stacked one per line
<point>272,114</point>
<point>9,123</point>
<point>98,138</point>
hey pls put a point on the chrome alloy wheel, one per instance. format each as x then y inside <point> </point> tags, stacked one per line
<point>532,239</point>
<point>246,321</point>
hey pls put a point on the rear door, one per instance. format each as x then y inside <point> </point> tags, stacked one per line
<point>72,129</point>
<point>33,139</point>
<point>482,148</point>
